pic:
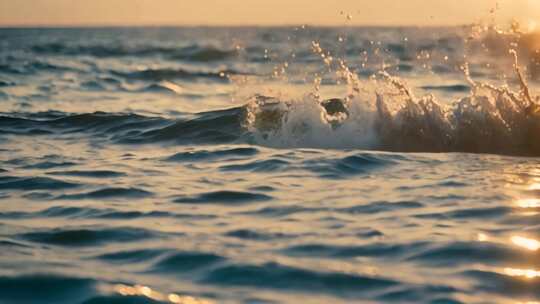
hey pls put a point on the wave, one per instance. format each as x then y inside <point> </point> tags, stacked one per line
<point>225,196</point>
<point>381,113</point>
<point>4,96</point>
<point>468,252</point>
<point>33,183</point>
<point>131,256</point>
<point>87,236</point>
<point>203,53</point>
<point>371,250</point>
<point>49,123</point>
<point>384,114</point>
<point>45,288</point>
<point>194,53</point>
<point>31,66</point>
<point>500,283</point>
<point>89,173</point>
<point>206,155</point>
<point>88,213</point>
<point>221,126</point>
<point>6,83</point>
<point>49,165</point>
<point>106,78</point>
<point>282,277</point>
<point>122,299</point>
<point>182,262</point>
<point>108,193</point>
<point>165,74</point>
<point>254,235</point>
<point>267,165</point>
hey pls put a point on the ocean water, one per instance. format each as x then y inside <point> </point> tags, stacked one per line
<point>269,165</point>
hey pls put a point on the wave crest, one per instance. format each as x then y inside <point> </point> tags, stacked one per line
<point>384,114</point>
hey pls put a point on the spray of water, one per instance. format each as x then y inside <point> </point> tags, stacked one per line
<point>382,113</point>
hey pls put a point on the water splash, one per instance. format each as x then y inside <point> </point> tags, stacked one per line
<point>383,113</point>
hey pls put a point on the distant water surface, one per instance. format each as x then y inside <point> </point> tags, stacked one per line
<point>268,165</point>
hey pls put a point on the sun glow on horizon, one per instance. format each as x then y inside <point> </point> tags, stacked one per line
<point>278,12</point>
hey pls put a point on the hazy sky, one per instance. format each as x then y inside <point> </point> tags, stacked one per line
<point>260,12</point>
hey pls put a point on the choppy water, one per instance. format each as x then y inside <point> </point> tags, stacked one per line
<point>268,165</point>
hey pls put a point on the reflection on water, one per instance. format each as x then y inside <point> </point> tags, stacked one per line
<point>530,244</point>
<point>526,273</point>
<point>534,186</point>
<point>145,291</point>
<point>157,190</point>
<point>528,203</point>
<point>482,237</point>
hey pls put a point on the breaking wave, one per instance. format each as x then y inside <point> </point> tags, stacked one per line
<point>385,115</point>
<point>379,114</point>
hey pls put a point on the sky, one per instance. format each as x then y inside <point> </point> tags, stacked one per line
<point>262,12</point>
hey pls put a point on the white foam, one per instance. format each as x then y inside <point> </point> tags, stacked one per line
<point>384,113</point>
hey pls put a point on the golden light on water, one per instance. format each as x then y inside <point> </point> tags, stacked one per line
<point>528,203</point>
<point>482,237</point>
<point>530,244</point>
<point>525,273</point>
<point>532,26</point>
<point>140,290</point>
<point>527,243</point>
<point>534,186</point>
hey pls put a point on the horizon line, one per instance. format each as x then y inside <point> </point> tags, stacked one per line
<point>187,25</point>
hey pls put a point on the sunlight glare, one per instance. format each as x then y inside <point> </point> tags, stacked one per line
<point>526,273</point>
<point>530,244</point>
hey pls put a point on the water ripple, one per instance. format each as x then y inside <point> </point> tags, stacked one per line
<point>45,288</point>
<point>181,262</point>
<point>371,250</point>
<point>87,236</point>
<point>225,196</point>
<point>105,193</point>
<point>34,183</point>
<point>89,173</point>
<point>378,207</point>
<point>205,155</point>
<point>468,252</point>
<point>277,276</point>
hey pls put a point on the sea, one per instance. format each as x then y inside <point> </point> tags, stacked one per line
<point>262,165</point>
